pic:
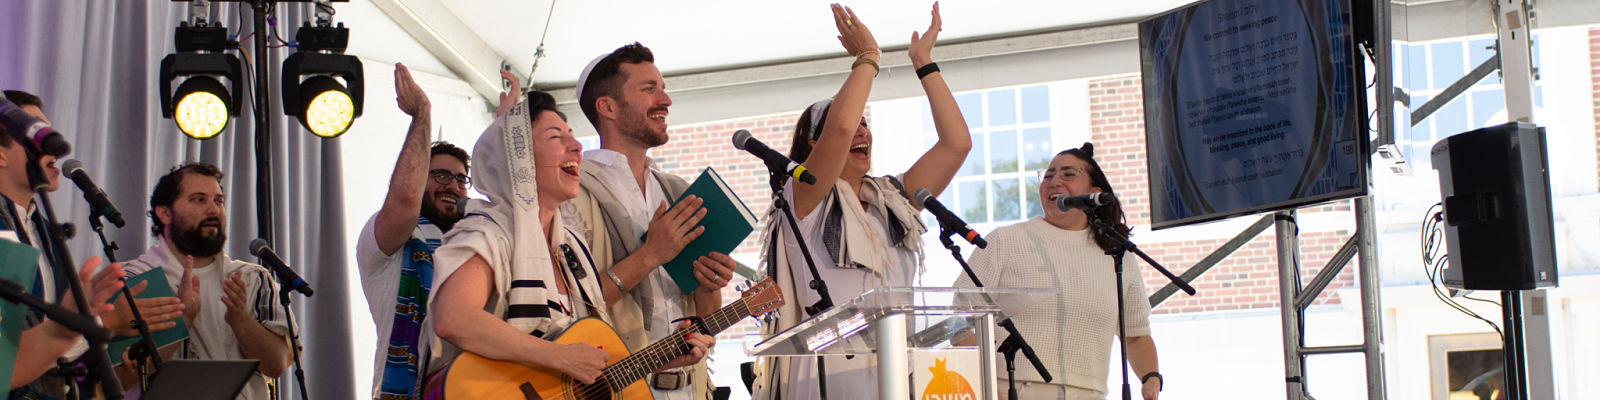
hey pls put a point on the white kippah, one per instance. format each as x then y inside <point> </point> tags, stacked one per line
<point>583,78</point>
<point>818,110</point>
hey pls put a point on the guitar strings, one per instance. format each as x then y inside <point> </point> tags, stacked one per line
<point>629,367</point>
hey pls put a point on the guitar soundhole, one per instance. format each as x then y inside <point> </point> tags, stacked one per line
<point>598,391</point>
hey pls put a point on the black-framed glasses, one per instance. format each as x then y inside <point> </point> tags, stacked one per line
<point>444,177</point>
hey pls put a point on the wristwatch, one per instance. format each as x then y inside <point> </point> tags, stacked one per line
<point>1153,374</point>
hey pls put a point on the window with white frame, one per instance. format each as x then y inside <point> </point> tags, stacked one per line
<point>1011,138</point>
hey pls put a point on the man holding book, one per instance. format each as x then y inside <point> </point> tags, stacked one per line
<point>230,306</point>
<point>624,96</point>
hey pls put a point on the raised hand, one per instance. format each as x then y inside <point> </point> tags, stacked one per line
<point>510,97</point>
<point>580,361</point>
<point>855,36</point>
<point>237,300</point>
<point>671,230</point>
<point>922,45</point>
<point>158,312</point>
<point>102,283</point>
<point>189,291</point>
<point>407,94</point>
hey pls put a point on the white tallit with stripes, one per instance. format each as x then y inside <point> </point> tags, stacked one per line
<point>505,231</point>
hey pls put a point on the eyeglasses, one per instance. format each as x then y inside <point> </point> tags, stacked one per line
<point>1065,174</point>
<point>444,176</point>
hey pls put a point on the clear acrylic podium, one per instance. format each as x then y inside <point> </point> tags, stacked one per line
<point>889,322</point>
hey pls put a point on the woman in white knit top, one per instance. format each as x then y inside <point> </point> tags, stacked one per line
<point>1072,333</point>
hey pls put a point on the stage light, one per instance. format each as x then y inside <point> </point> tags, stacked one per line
<point>322,86</point>
<point>330,110</point>
<point>201,106</point>
<point>201,113</point>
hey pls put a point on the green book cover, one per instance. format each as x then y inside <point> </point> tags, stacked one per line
<point>18,263</point>
<point>157,287</point>
<point>728,222</point>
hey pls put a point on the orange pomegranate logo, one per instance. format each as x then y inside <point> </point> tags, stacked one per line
<point>947,385</point>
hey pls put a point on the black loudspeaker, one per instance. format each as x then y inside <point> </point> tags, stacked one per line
<point>1495,183</point>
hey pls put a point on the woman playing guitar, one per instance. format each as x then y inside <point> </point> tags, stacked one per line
<point>510,278</point>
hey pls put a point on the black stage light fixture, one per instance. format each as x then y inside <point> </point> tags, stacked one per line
<point>312,87</point>
<point>201,106</point>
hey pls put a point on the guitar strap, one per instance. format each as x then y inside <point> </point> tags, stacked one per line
<point>578,271</point>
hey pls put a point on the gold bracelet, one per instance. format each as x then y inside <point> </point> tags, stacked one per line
<point>868,61</point>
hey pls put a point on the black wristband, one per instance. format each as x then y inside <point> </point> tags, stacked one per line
<point>927,69</point>
<point>1153,374</point>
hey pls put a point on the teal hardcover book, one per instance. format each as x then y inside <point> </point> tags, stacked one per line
<point>727,223</point>
<point>157,287</point>
<point>18,263</point>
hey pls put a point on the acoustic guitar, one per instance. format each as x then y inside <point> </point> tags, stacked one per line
<point>472,376</point>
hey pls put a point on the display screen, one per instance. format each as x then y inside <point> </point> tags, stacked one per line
<point>1251,106</point>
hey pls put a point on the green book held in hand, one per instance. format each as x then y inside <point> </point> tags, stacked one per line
<point>19,263</point>
<point>727,223</point>
<point>157,287</point>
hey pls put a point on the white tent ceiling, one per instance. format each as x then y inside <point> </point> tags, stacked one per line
<point>686,36</point>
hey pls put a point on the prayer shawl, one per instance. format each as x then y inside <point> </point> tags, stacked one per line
<point>506,232</point>
<point>602,221</point>
<point>405,355</point>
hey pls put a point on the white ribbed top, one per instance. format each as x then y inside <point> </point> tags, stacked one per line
<point>1073,332</point>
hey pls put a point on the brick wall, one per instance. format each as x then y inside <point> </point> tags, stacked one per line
<point>1594,79</point>
<point>1248,278</point>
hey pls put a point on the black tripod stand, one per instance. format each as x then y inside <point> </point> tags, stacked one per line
<point>1014,340</point>
<point>294,339</point>
<point>143,354</point>
<point>1123,246</point>
<point>99,362</point>
<point>825,301</point>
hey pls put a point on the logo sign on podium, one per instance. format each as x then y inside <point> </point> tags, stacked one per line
<point>946,374</point>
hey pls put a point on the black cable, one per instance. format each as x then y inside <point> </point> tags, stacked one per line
<point>1434,259</point>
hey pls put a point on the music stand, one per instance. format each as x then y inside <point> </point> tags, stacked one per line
<point>200,379</point>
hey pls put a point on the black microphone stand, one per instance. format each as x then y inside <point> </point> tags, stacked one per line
<point>99,361</point>
<point>294,338</point>
<point>825,302</point>
<point>146,347</point>
<point>1123,246</point>
<point>1014,340</point>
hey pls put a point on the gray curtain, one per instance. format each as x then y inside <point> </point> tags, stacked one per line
<point>95,64</point>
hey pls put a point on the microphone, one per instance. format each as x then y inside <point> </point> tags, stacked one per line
<point>97,198</point>
<point>776,162</point>
<point>1084,201</point>
<point>286,275</point>
<point>26,128</point>
<point>947,220</point>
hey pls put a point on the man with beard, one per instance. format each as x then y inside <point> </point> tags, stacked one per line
<point>395,250</point>
<point>188,216</point>
<point>623,196</point>
<point>42,341</point>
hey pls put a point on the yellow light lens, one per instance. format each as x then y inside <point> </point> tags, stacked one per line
<point>330,113</point>
<point>201,115</point>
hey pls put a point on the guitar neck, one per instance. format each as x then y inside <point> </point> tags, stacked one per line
<point>641,363</point>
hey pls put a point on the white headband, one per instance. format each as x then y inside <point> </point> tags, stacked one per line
<point>818,110</point>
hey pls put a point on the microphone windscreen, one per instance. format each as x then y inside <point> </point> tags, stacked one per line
<point>740,138</point>
<point>920,199</point>
<point>258,246</point>
<point>69,167</point>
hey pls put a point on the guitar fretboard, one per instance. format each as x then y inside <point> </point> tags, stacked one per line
<point>652,357</point>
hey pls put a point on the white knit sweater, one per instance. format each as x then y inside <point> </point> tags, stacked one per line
<point>1073,332</point>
